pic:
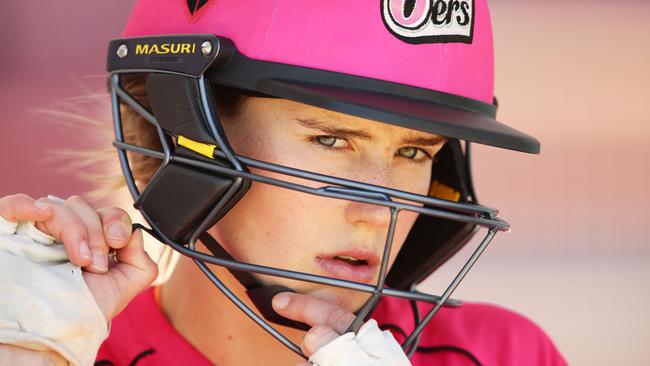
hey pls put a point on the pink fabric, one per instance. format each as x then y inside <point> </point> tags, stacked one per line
<point>495,336</point>
<point>336,35</point>
<point>142,327</point>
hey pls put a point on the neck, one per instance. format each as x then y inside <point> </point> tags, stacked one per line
<point>215,326</point>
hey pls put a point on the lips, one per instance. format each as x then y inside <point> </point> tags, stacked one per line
<point>358,265</point>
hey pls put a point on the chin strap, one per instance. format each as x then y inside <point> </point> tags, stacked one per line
<point>260,294</point>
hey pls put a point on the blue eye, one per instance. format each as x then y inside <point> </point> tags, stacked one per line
<point>332,142</point>
<point>326,140</point>
<point>412,153</point>
<point>408,152</point>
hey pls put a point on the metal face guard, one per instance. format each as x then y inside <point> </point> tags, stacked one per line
<point>219,160</point>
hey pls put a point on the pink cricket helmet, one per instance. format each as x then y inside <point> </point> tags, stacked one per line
<point>442,48</point>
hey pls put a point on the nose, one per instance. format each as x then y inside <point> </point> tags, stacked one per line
<point>365,213</point>
<point>359,213</point>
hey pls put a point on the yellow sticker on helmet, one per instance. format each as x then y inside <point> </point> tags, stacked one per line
<point>197,147</point>
<point>442,191</point>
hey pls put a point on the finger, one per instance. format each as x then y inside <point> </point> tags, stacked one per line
<point>117,225</point>
<point>316,338</point>
<point>134,271</point>
<point>66,226</point>
<point>90,219</point>
<point>312,311</point>
<point>21,207</point>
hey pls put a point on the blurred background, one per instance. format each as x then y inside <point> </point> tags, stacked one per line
<point>573,73</point>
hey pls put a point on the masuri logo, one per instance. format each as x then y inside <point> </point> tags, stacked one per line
<point>165,49</point>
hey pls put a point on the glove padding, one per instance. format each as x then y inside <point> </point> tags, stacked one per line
<point>369,347</point>
<point>45,302</point>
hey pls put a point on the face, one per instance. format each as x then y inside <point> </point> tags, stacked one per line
<point>287,229</point>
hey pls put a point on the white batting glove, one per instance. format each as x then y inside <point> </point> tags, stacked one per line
<point>369,347</point>
<point>44,302</point>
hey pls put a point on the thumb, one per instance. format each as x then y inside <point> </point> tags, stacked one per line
<point>132,273</point>
<point>135,270</point>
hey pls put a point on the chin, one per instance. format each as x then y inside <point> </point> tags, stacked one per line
<point>349,300</point>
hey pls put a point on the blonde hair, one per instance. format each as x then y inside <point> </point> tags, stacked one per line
<point>98,164</point>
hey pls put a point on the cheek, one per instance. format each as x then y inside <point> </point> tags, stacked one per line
<point>405,222</point>
<point>276,226</point>
<point>272,225</point>
<point>250,230</point>
<point>414,181</point>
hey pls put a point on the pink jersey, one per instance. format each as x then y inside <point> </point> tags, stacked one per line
<point>474,334</point>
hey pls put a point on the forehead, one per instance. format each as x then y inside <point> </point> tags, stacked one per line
<point>291,111</point>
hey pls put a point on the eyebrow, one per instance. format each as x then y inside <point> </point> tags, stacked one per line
<point>424,141</point>
<point>346,132</point>
<point>330,130</point>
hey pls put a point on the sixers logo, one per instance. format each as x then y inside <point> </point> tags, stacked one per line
<point>195,8</point>
<point>429,21</point>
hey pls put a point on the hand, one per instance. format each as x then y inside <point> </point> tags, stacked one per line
<point>88,235</point>
<point>328,344</point>
<point>328,321</point>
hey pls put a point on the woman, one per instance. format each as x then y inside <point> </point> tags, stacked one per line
<point>312,168</point>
